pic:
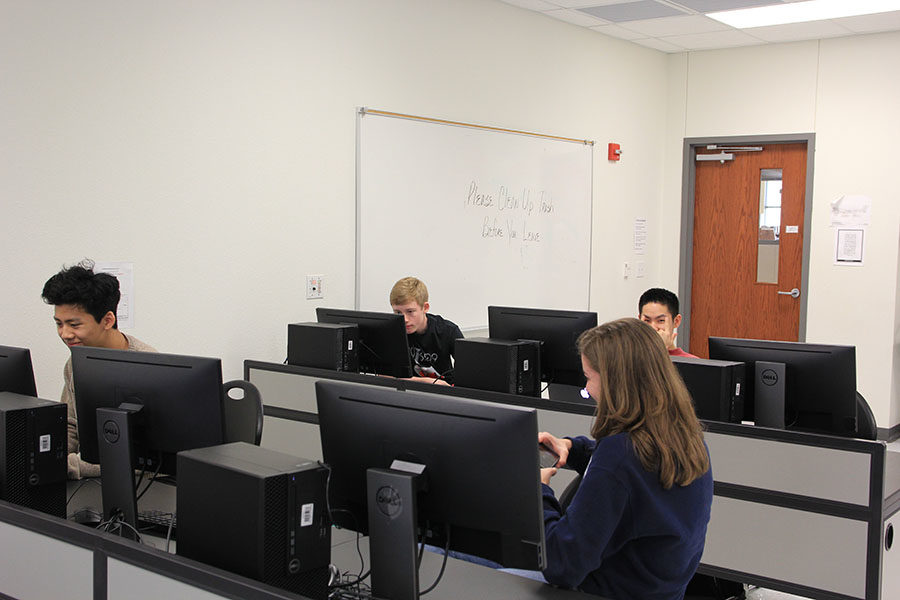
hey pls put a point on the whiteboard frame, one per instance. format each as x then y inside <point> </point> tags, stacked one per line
<point>364,111</point>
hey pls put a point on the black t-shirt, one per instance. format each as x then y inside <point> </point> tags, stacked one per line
<point>430,352</point>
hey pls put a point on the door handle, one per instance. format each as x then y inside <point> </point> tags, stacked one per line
<point>794,293</point>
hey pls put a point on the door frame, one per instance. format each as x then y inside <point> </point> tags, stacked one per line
<point>689,167</point>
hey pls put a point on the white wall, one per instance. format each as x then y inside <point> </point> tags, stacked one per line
<point>212,143</point>
<point>844,90</point>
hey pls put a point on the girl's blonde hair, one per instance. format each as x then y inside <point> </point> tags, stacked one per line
<point>642,394</point>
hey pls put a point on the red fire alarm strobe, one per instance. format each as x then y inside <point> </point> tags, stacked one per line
<point>614,152</point>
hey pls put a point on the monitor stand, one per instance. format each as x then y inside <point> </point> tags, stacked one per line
<point>392,509</point>
<point>115,428</point>
<point>768,394</point>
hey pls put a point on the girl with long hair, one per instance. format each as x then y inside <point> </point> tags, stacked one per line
<point>635,529</point>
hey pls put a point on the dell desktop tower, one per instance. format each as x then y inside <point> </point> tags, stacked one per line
<point>332,346</point>
<point>509,366</point>
<point>33,453</point>
<point>257,513</point>
<point>716,387</point>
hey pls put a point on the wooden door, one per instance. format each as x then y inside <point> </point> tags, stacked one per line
<point>727,297</point>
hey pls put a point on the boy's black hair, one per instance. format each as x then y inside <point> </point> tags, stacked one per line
<point>96,293</point>
<point>659,296</point>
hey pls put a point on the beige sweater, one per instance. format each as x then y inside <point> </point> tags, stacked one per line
<point>77,467</point>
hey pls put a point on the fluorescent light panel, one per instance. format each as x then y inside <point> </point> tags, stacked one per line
<point>802,12</point>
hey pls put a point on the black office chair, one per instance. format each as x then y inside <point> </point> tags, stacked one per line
<point>866,428</point>
<point>243,412</point>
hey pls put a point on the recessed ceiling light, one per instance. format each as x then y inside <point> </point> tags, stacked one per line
<point>801,12</point>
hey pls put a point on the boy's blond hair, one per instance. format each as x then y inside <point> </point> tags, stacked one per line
<point>409,289</point>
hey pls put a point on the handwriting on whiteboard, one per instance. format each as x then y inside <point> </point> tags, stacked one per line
<point>511,214</point>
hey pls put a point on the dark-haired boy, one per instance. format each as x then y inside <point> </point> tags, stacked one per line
<point>85,314</point>
<point>658,308</point>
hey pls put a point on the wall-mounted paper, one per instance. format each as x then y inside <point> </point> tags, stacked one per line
<point>640,236</point>
<point>851,211</point>
<point>848,246</point>
<point>124,272</point>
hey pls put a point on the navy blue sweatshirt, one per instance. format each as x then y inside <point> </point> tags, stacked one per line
<point>623,536</point>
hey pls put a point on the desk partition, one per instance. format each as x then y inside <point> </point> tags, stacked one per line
<point>811,515</point>
<point>803,513</point>
<point>291,423</point>
<point>42,557</point>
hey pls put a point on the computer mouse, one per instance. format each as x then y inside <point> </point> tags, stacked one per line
<point>88,516</point>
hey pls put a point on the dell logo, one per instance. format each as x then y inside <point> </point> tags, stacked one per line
<point>769,377</point>
<point>111,432</point>
<point>388,501</point>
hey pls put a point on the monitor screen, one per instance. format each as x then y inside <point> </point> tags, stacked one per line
<point>557,329</point>
<point>481,462</point>
<point>383,349</point>
<point>181,400</point>
<point>16,373</point>
<point>819,384</point>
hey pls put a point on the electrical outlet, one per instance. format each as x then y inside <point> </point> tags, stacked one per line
<point>626,269</point>
<point>314,287</point>
<point>640,268</point>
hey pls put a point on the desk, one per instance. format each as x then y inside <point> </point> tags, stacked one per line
<point>807,514</point>
<point>45,557</point>
<point>461,579</point>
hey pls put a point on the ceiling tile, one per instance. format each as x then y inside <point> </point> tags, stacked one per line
<point>618,32</point>
<point>632,11</point>
<point>705,6</point>
<point>658,44</point>
<point>793,32</point>
<point>714,39</point>
<point>538,5</point>
<point>676,26</point>
<point>889,21</point>
<point>574,16</point>
<point>679,25</point>
<point>583,3</point>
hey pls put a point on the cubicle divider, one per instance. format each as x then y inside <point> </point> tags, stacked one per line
<point>47,557</point>
<point>804,513</point>
<point>291,423</point>
<point>807,514</point>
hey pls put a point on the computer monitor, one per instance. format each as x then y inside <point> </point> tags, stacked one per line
<point>809,387</point>
<point>558,330</point>
<point>383,349</point>
<point>16,373</point>
<point>479,491</point>
<point>137,410</point>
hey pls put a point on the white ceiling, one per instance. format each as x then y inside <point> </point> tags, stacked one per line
<point>681,25</point>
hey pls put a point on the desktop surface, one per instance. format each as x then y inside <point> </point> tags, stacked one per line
<point>461,579</point>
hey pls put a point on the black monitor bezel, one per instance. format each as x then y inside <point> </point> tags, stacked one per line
<point>105,378</point>
<point>471,475</point>
<point>558,330</point>
<point>17,371</point>
<point>816,374</point>
<point>383,345</point>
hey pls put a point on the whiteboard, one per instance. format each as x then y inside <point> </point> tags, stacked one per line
<point>481,215</point>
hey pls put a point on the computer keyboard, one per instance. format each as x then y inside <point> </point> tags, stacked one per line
<point>156,518</point>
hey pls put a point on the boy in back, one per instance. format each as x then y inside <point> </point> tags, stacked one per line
<point>658,308</point>
<point>431,338</point>
<point>85,314</point>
